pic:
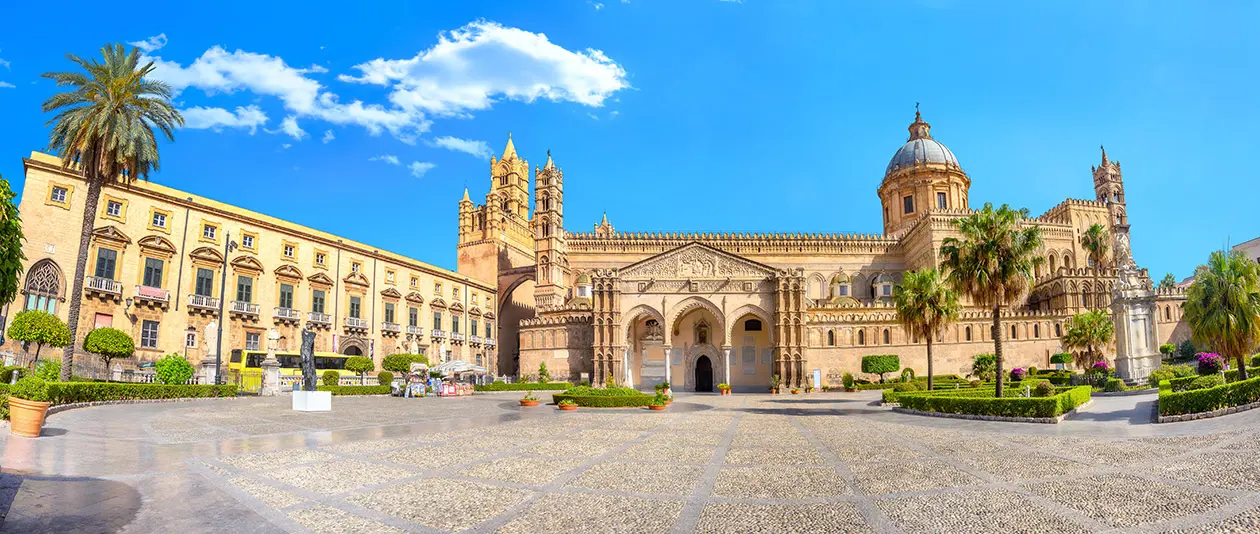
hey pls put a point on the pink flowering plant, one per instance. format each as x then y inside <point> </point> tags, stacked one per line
<point>1210,363</point>
<point>1017,374</point>
<point>1100,368</point>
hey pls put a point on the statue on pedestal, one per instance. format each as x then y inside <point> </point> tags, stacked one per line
<point>308,360</point>
<point>271,366</point>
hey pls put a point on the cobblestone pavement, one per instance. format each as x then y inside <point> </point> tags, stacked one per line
<point>745,463</point>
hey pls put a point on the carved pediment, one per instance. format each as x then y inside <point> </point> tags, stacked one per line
<point>110,233</point>
<point>438,303</point>
<point>488,315</point>
<point>288,271</point>
<point>391,293</point>
<point>158,244</point>
<point>247,263</point>
<point>694,261</point>
<point>206,255</point>
<point>321,279</point>
<point>415,297</point>
<point>474,311</point>
<point>357,279</point>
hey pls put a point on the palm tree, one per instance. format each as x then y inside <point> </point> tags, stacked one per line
<point>992,262</point>
<point>104,129</point>
<point>1095,241</point>
<point>925,306</point>
<point>1089,331</point>
<point>1223,306</point>
<point>1168,282</point>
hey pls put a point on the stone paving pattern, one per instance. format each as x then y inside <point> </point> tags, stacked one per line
<point>744,463</point>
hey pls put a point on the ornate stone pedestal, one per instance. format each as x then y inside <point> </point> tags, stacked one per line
<point>270,376</point>
<point>1133,309</point>
<point>207,371</point>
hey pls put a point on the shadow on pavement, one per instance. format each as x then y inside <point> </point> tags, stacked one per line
<point>66,504</point>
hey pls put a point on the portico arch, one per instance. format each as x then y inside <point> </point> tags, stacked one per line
<point>640,312</point>
<point>732,320</point>
<point>692,303</point>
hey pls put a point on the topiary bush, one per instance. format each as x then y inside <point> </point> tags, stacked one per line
<point>975,383</point>
<point>1205,381</point>
<point>1170,372</point>
<point>1209,399</point>
<point>1113,385</point>
<point>384,378</point>
<point>1043,389</point>
<point>330,378</point>
<point>499,385</point>
<point>907,375</point>
<point>31,388</point>
<point>360,365</point>
<point>1017,374</point>
<point>1062,357</point>
<point>41,328</point>
<point>109,343</point>
<point>173,369</point>
<point>356,390</point>
<point>1187,349</point>
<point>543,374</point>
<point>981,402</point>
<point>905,386</point>
<point>881,364</point>
<point>76,392</point>
<point>847,380</point>
<point>1168,349</point>
<point>400,364</point>
<point>1032,372</point>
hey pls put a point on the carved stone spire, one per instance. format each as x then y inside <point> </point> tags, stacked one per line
<point>550,164</point>
<point>919,129</point>
<point>509,152</point>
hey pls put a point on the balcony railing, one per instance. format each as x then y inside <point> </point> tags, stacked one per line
<point>440,334</point>
<point>416,330</point>
<point>457,336</point>
<point>475,340</point>
<point>287,313</point>
<point>202,301</point>
<point>489,342</point>
<point>104,285</point>
<point>247,308</point>
<point>355,322</point>
<point>155,294</point>
<point>319,317</point>
<point>391,327</point>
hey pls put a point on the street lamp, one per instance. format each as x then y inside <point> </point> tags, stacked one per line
<point>228,247</point>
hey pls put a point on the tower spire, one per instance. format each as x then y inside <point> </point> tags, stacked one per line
<point>550,164</point>
<point>1105,161</point>
<point>466,199</point>
<point>510,150</point>
<point>919,129</point>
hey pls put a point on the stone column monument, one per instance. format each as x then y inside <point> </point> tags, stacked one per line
<point>1133,310</point>
<point>271,366</point>
<point>211,339</point>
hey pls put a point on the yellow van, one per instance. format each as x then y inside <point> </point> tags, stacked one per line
<point>250,362</point>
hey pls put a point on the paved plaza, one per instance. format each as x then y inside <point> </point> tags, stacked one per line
<point>745,463</point>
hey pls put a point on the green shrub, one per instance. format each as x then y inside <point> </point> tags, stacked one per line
<point>880,364</point>
<point>31,388</point>
<point>1113,385</point>
<point>847,380</point>
<point>74,392</point>
<point>905,386</point>
<point>944,402</point>
<point>975,383</point>
<point>588,391</point>
<point>1032,371</point>
<point>6,373</point>
<point>173,369</point>
<point>499,385</point>
<point>984,367</point>
<point>1167,349</point>
<point>400,364</point>
<point>109,343</point>
<point>1187,349</point>
<point>41,328</point>
<point>331,378</point>
<point>1062,357</point>
<point>48,370</point>
<point>360,365</point>
<point>1255,360</point>
<point>384,378</point>
<point>1043,389</point>
<point>907,374</point>
<point>607,401</point>
<point>1213,398</point>
<point>1169,372</point>
<point>356,390</point>
<point>1204,382</point>
<point>543,374</point>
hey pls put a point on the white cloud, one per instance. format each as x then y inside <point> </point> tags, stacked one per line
<point>153,43</point>
<point>597,5</point>
<point>4,63</point>
<point>467,146</point>
<point>199,118</point>
<point>387,158</point>
<point>290,127</point>
<point>7,85</point>
<point>285,146</point>
<point>468,68</point>
<point>328,136</point>
<point>418,168</point>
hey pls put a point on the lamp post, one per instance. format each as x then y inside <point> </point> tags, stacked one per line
<point>228,247</point>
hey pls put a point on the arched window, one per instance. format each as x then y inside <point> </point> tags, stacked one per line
<point>967,333</point>
<point>831,338</point>
<point>887,338</point>
<point>861,337</point>
<point>1058,330</point>
<point>1167,313</point>
<point>1037,331</point>
<point>43,286</point>
<point>754,325</point>
<point>1053,264</point>
<point>1013,336</point>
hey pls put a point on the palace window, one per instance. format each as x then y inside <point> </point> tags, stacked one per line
<point>941,201</point>
<point>205,282</point>
<point>43,286</point>
<point>286,296</point>
<point>488,330</point>
<point>437,288</point>
<point>1037,331</point>
<point>244,288</point>
<point>831,338</point>
<point>356,305</point>
<point>885,213</point>
<point>1013,336</point>
<point>149,334</point>
<point>908,204</point>
<point>861,337</point>
<point>752,325</point>
<point>153,272</point>
<point>967,333</point>
<point>1167,314</point>
<point>290,250</point>
<point>190,340</point>
<point>437,320</point>
<point>355,266</point>
<point>415,281</point>
<point>413,316</point>
<point>389,276</point>
<point>106,262</point>
<point>389,312</point>
<point>209,231</point>
<point>888,338</point>
<point>321,258</point>
<point>159,220</point>
<point>113,208</point>
<point>1058,330</point>
<point>58,194</point>
<point>247,241</point>
<point>317,301</point>
<point>455,324</point>
<point>253,341</point>
<point>472,327</point>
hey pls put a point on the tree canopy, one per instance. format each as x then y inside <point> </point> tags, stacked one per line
<point>1223,306</point>
<point>11,238</point>
<point>925,306</point>
<point>109,343</point>
<point>1090,332</point>
<point>41,328</point>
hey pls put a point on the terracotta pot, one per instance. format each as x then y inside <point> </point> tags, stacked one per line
<point>26,418</point>
<point>568,407</point>
<point>795,392</point>
<point>656,407</point>
<point>529,402</point>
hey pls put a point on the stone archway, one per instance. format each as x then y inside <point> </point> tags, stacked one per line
<point>703,372</point>
<point>715,357</point>
<point>353,346</point>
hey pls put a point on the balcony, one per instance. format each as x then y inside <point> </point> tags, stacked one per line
<point>203,302</point>
<point>391,327</point>
<point>153,295</point>
<point>438,334</point>
<point>287,314</point>
<point>489,342</point>
<point>457,336</point>
<point>105,286</point>
<point>243,308</point>
<point>474,339</point>
<point>415,330</point>
<point>357,323</point>
<point>319,318</point>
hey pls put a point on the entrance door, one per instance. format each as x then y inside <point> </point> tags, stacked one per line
<point>704,374</point>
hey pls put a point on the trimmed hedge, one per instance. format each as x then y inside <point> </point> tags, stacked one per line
<point>605,401</point>
<point>1206,400</point>
<point>74,392</point>
<point>1053,406</point>
<point>524,386</point>
<point>356,390</point>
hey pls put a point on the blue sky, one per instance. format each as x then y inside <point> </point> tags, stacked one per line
<point>680,115</point>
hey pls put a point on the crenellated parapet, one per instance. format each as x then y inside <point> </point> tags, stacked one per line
<point>657,242</point>
<point>1060,213</point>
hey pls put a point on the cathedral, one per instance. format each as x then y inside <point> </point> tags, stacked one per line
<point>701,309</point>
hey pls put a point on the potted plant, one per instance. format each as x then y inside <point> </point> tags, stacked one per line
<point>796,391</point>
<point>775,381</point>
<point>28,404</point>
<point>568,405</point>
<point>665,389</point>
<point>529,399</point>
<point>725,389</point>
<point>847,380</point>
<point>658,402</point>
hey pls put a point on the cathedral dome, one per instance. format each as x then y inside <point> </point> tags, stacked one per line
<point>921,148</point>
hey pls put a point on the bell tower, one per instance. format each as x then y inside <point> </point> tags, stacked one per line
<point>1109,189</point>
<point>549,242</point>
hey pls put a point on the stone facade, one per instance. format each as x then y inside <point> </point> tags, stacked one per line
<point>155,270</point>
<point>701,309</point>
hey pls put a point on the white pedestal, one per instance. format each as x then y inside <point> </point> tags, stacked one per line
<point>312,401</point>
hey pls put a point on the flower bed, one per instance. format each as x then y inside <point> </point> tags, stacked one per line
<point>975,404</point>
<point>77,392</point>
<point>524,386</point>
<point>356,390</point>
<point>1172,402</point>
